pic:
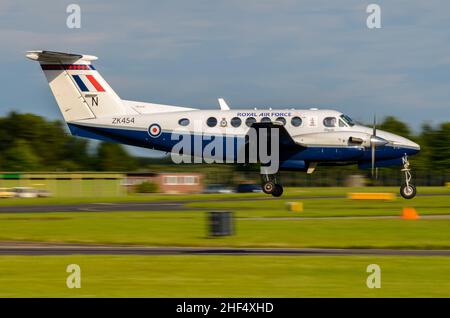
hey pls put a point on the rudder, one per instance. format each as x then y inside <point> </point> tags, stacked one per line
<point>80,91</point>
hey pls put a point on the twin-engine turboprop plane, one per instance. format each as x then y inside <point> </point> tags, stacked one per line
<point>305,138</point>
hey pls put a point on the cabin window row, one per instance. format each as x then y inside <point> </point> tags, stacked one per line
<point>295,121</point>
<point>237,122</point>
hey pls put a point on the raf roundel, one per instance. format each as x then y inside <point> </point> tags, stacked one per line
<point>154,130</point>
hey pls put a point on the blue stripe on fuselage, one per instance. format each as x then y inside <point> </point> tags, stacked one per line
<point>166,141</point>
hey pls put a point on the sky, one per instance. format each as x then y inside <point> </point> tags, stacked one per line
<point>254,53</point>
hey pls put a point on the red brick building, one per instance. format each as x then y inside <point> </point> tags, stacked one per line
<point>168,182</point>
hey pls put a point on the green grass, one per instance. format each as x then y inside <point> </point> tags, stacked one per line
<point>224,276</point>
<point>259,223</point>
<point>289,194</point>
<point>190,229</point>
<point>426,205</point>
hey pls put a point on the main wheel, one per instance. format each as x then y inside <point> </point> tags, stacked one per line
<point>408,192</point>
<point>277,190</point>
<point>268,187</point>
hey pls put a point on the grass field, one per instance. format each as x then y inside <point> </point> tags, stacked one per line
<point>288,194</point>
<point>190,229</point>
<point>224,276</point>
<point>426,205</point>
<point>264,223</point>
<point>328,222</point>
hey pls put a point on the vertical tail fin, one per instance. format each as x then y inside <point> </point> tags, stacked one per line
<point>80,91</point>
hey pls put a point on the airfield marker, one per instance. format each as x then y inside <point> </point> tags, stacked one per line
<point>295,206</point>
<point>409,214</point>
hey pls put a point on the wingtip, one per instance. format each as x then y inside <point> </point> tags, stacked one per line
<point>33,55</point>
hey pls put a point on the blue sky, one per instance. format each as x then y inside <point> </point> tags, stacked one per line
<point>254,53</point>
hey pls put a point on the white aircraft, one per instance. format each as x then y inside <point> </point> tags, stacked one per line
<point>306,137</point>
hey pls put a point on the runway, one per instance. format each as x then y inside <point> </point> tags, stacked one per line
<point>43,249</point>
<point>95,207</point>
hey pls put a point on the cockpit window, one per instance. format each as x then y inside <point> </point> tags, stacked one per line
<point>329,122</point>
<point>347,120</point>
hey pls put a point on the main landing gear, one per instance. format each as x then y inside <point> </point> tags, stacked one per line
<point>270,185</point>
<point>407,189</point>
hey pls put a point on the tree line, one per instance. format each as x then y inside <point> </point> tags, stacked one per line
<point>32,143</point>
<point>434,143</point>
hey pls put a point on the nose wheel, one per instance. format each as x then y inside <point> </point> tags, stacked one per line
<point>271,186</point>
<point>407,189</point>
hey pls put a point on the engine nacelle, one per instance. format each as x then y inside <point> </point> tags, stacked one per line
<point>297,165</point>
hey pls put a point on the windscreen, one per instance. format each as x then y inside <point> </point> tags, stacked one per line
<point>347,120</point>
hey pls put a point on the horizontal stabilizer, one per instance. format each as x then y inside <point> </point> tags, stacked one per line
<point>50,56</point>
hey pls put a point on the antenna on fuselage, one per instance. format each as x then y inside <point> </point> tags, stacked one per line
<point>223,104</point>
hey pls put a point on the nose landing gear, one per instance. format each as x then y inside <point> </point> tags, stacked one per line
<point>407,189</point>
<point>270,185</point>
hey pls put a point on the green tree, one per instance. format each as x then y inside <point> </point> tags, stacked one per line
<point>51,145</point>
<point>147,187</point>
<point>76,155</point>
<point>395,126</point>
<point>114,157</point>
<point>422,160</point>
<point>20,157</point>
<point>439,144</point>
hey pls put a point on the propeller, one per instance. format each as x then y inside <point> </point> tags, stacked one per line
<point>375,141</point>
<point>372,144</point>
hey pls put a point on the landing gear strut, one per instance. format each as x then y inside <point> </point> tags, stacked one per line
<point>407,189</point>
<point>270,185</point>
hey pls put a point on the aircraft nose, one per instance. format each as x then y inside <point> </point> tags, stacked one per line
<point>411,148</point>
<point>415,148</point>
<point>406,145</point>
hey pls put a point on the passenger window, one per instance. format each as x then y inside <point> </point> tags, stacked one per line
<point>282,120</point>
<point>329,122</point>
<point>296,121</point>
<point>266,120</point>
<point>235,122</point>
<point>250,121</point>
<point>183,122</point>
<point>211,121</point>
